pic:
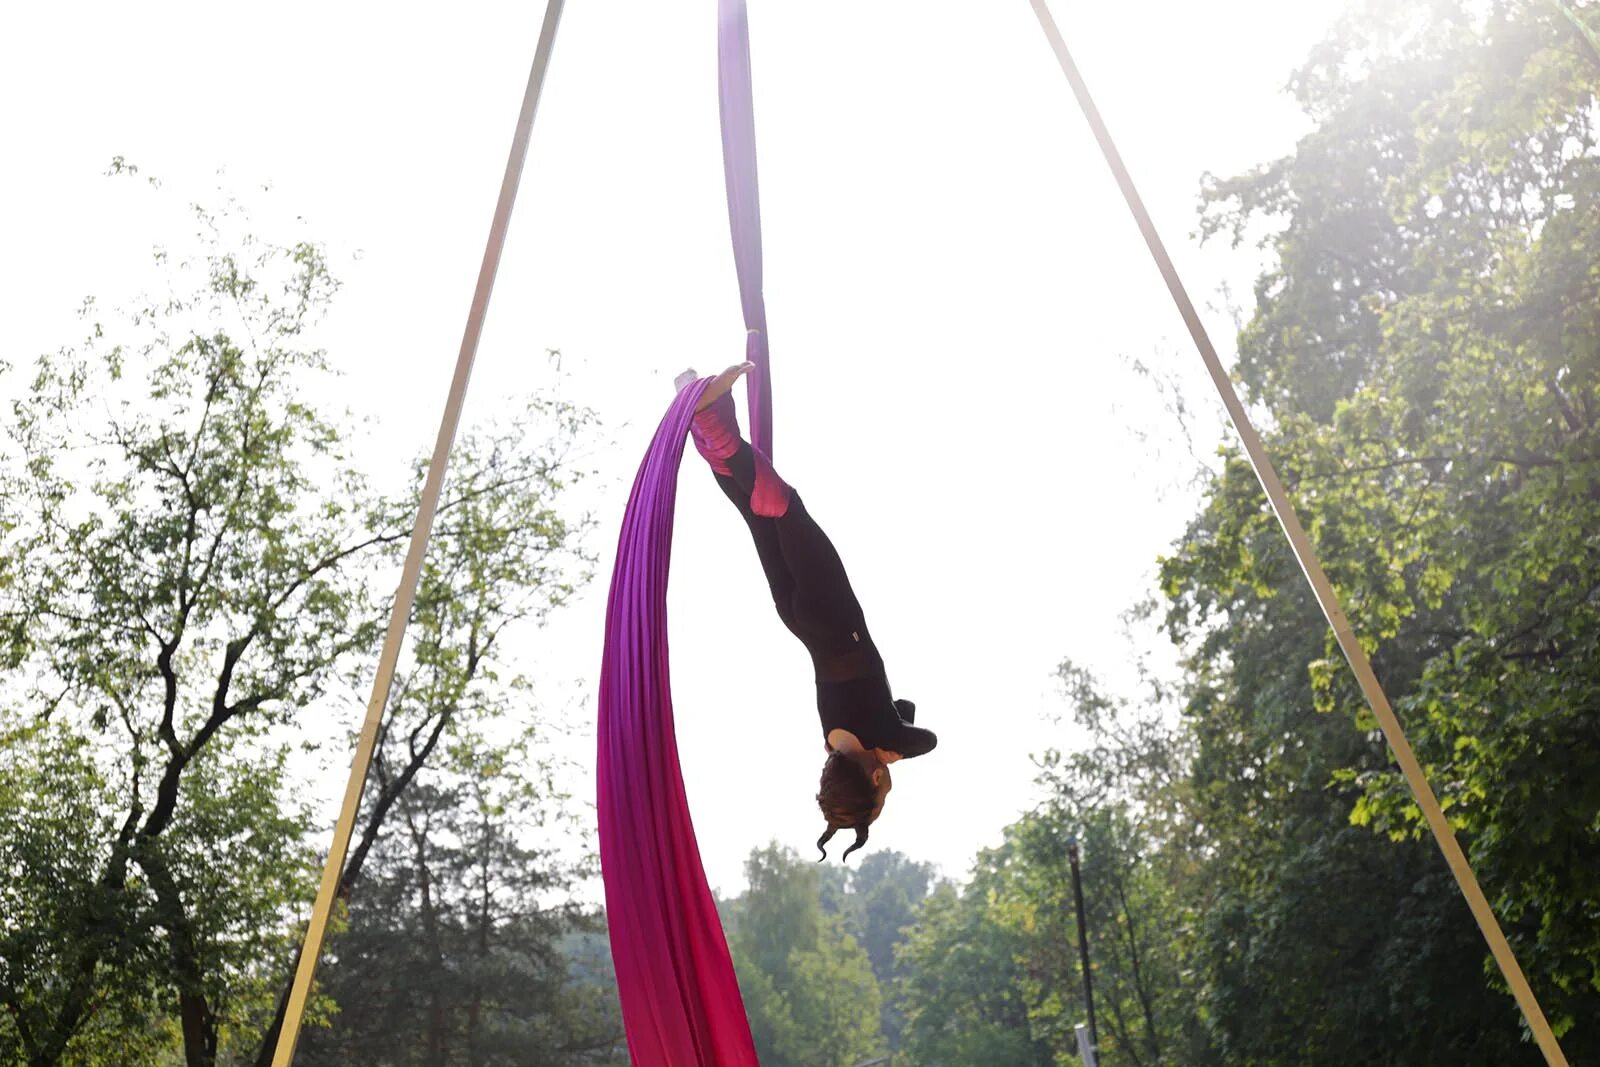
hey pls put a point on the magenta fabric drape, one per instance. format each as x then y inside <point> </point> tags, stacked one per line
<point>680,1000</point>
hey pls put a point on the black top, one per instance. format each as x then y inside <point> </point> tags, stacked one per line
<point>863,705</point>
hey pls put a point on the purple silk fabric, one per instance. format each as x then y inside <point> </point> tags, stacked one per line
<point>680,1000</point>
<point>744,206</point>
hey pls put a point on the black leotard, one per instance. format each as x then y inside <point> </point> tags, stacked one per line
<point>812,595</point>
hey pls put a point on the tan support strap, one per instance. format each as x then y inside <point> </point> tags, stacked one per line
<point>333,869</point>
<point>1309,563</point>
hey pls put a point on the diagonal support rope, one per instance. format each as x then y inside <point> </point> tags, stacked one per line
<point>1311,565</point>
<point>333,870</point>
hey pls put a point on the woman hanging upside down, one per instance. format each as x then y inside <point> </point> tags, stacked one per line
<point>864,728</point>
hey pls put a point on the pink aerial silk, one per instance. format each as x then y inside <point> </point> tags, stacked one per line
<point>680,1000</point>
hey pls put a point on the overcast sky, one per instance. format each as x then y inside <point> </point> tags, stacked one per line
<point>957,299</point>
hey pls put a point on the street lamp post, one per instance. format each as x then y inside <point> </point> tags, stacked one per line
<point>1083,945</point>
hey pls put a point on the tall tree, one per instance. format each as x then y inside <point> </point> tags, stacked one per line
<point>1124,796</point>
<point>877,903</point>
<point>962,993</point>
<point>457,948</point>
<point>175,589</point>
<point>992,973</point>
<point>808,986</point>
<point>187,560</point>
<point>1425,349</point>
<point>500,559</point>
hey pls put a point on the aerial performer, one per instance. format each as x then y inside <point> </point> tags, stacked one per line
<point>864,728</point>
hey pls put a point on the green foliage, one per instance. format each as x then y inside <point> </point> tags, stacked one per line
<point>877,903</point>
<point>1425,351</point>
<point>809,989</point>
<point>779,913</point>
<point>1425,360</point>
<point>994,974</point>
<point>962,995</point>
<point>173,592</point>
<point>835,1002</point>
<point>52,850</point>
<point>188,563</point>
<point>452,954</point>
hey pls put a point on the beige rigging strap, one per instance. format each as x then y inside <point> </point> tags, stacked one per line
<point>333,869</point>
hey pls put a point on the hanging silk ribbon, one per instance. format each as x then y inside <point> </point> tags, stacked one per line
<point>744,205</point>
<point>680,999</point>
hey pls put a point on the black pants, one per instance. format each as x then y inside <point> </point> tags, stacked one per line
<point>809,586</point>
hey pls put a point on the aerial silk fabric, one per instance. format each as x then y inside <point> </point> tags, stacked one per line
<point>744,207</point>
<point>680,1000</point>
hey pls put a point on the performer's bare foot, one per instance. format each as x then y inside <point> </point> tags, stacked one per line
<point>716,387</point>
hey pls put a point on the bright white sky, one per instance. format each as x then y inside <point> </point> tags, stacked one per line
<point>955,291</point>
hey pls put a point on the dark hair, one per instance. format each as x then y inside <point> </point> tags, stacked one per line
<point>847,798</point>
